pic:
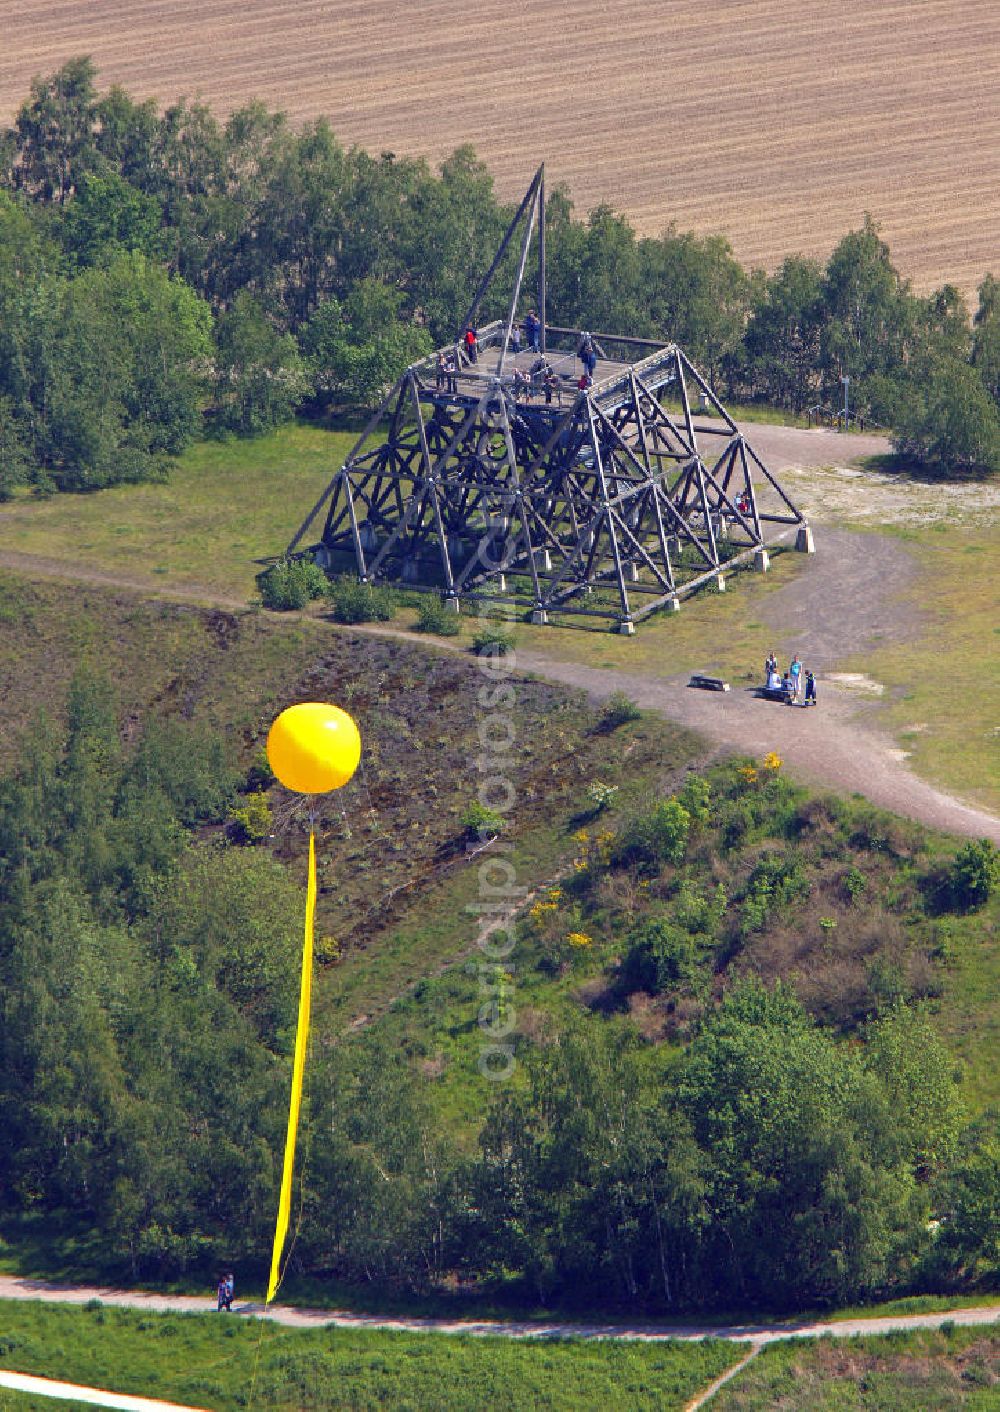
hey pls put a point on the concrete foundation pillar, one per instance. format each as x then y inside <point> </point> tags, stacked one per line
<point>673,605</point>
<point>761,561</point>
<point>804,540</point>
<point>451,603</point>
<point>501,583</point>
<point>633,573</point>
<point>721,582</point>
<point>543,560</point>
<point>627,628</point>
<point>539,617</point>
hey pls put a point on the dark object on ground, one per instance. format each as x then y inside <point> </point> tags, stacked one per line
<point>774,693</point>
<point>708,683</point>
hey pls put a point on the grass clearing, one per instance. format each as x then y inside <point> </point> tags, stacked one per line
<point>208,1361</point>
<point>226,505</point>
<point>924,1370</point>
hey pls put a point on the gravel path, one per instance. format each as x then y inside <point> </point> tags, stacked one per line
<point>16,1287</point>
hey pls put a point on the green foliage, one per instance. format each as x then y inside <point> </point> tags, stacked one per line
<point>355,353</point>
<point>480,822</point>
<point>494,640</point>
<point>355,602</point>
<point>975,873</point>
<point>696,796</point>
<point>145,982</point>
<point>945,419</point>
<point>251,821</point>
<point>259,376</point>
<point>618,710</point>
<point>659,835</point>
<point>777,880</point>
<point>437,617</point>
<point>290,584</point>
<point>108,217</point>
<point>227,1365</point>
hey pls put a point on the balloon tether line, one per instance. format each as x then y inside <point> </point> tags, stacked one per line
<point>298,1069</point>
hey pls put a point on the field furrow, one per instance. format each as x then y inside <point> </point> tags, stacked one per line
<point>777,124</point>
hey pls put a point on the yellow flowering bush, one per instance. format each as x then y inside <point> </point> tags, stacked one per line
<point>772,761</point>
<point>580,939</point>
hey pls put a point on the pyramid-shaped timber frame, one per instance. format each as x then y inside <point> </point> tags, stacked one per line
<point>501,476</point>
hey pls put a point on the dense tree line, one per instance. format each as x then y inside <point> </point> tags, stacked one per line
<point>271,270</point>
<point>147,992</point>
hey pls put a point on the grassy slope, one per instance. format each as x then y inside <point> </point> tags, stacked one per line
<point>208,1362</point>
<point>921,1371</point>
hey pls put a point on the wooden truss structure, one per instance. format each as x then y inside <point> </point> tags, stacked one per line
<point>505,477</point>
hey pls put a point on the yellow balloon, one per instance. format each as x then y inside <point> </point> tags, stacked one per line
<point>313,747</point>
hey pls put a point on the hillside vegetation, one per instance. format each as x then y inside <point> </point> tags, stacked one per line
<point>724,1003</point>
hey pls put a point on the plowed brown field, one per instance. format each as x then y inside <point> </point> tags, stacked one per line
<point>777,122</point>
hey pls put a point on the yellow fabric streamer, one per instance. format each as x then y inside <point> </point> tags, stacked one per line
<point>298,1068</point>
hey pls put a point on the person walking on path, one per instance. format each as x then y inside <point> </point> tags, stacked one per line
<point>230,1285</point>
<point>515,338</point>
<point>587,355</point>
<point>472,345</point>
<point>220,1293</point>
<point>795,672</point>
<point>810,689</point>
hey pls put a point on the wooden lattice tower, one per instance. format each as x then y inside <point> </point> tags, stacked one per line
<point>504,477</point>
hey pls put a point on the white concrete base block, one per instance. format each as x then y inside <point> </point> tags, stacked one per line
<point>761,561</point>
<point>452,604</point>
<point>721,583</point>
<point>543,560</point>
<point>673,606</point>
<point>627,629</point>
<point>633,573</point>
<point>540,617</point>
<point>804,540</point>
<point>501,583</point>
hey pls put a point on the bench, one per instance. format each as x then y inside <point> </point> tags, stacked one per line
<point>707,683</point>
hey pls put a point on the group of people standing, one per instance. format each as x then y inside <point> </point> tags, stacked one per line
<point>798,682</point>
<point>541,378</point>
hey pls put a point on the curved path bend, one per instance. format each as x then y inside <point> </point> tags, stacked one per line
<point>826,746</point>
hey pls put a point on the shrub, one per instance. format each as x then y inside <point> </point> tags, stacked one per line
<point>355,602</point>
<point>480,822</point>
<point>618,710</point>
<point>659,836</point>
<point>661,956</point>
<point>696,796</point>
<point>434,616</point>
<point>974,874</point>
<point>250,822</point>
<point>260,775</point>
<point>290,584</point>
<point>495,639</point>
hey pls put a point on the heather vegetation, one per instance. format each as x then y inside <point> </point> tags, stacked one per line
<point>164,275</point>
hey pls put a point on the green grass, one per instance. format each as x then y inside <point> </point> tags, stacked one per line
<point>922,1370</point>
<point>225,505</point>
<point>208,1361</point>
<point>943,698</point>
